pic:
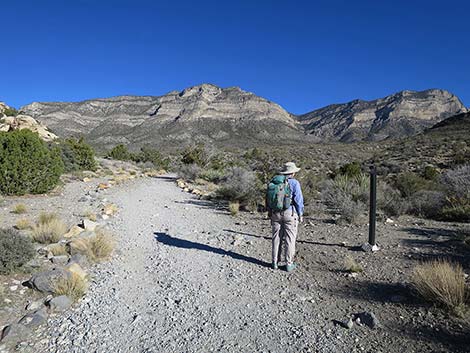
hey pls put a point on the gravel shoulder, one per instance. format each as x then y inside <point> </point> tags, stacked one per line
<point>188,277</point>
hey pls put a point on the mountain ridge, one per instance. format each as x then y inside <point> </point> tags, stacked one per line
<point>209,113</point>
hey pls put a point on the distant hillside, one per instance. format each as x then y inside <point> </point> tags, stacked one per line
<point>201,113</point>
<point>455,125</point>
<point>402,114</point>
<point>233,117</point>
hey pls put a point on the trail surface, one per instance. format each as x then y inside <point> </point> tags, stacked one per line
<point>184,280</point>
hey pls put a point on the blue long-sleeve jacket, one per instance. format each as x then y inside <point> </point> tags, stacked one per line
<point>297,197</point>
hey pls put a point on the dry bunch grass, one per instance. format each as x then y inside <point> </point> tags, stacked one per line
<point>234,208</point>
<point>49,232</point>
<point>46,217</point>
<point>74,287</point>
<point>350,265</point>
<point>19,209</point>
<point>441,282</point>
<point>100,246</point>
<point>23,224</point>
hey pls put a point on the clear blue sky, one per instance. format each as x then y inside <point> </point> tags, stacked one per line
<point>300,54</point>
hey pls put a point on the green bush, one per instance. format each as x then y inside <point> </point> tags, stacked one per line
<point>77,155</point>
<point>153,156</point>
<point>15,250</point>
<point>409,183</point>
<point>350,169</point>
<point>430,172</point>
<point>195,155</point>
<point>120,153</point>
<point>27,165</point>
<point>212,175</point>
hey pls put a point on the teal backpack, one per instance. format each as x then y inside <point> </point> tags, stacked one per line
<point>278,196</point>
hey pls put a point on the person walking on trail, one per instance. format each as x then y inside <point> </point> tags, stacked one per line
<point>285,205</point>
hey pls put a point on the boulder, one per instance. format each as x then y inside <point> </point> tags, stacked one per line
<point>34,319</point>
<point>89,225</point>
<point>78,259</point>
<point>77,269</point>
<point>60,260</point>
<point>74,231</point>
<point>367,318</point>
<point>60,303</point>
<point>13,332</point>
<point>45,281</point>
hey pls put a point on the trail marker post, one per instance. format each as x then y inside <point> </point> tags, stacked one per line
<point>371,245</point>
<point>372,205</point>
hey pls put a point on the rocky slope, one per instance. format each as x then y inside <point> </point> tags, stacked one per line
<point>205,112</point>
<point>21,121</point>
<point>402,114</point>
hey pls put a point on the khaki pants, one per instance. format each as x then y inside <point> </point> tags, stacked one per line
<point>284,225</point>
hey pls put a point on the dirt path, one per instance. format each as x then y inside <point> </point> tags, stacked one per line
<point>191,278</point>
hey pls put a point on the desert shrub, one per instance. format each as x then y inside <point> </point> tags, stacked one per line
<point>347,196</point>
<point>49,232</point>
<point>350,265</point>
<point>100,246</point>
<point>151,155</point>
<point>212,175</point>
<point>440,282</point>
<point>120,153</point>
<point>456,182</point>
<point>15,250</point>
<point>72,286</point>
<point>427,203</point>
<point>234,208</point>
<point>456,213</point>
<point>27,165</point>
<point>350,170</point>
<point>430,172</point>
<point>189,171</point>
<point>409,183</point>
<point>196,154</point>
<point>240,185</point>
<point>389,200</point>
<point>311,183</point>
<point>23,224</point>
<point>77,155</point>
<point>19,209</point>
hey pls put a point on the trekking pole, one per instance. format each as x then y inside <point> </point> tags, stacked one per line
<point>373,205</point>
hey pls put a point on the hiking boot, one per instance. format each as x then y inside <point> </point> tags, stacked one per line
<point>274,266</point>
<point>291,267</point>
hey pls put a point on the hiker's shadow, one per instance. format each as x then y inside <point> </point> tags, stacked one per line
<point>166,239</point>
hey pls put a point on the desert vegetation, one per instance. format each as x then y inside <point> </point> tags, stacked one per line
<point>77,155</point>
<point>146,155</point>
<point>15,251</point>
<point>443,283</point>
<point>49,229</point>
<point>72,286</point>
<point>27,164</point>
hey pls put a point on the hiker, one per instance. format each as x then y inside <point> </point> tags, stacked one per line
<point>285,205</point>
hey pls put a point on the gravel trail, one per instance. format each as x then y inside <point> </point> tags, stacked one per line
<point>186,277</point>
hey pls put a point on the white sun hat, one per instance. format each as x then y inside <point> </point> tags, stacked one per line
<point>289,168</point>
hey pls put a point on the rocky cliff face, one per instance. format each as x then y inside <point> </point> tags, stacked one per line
<point>402,114</point>
<point>201,113</point>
